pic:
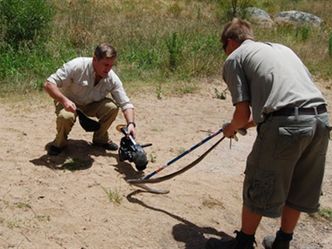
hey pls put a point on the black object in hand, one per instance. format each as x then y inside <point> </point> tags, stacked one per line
<point>87,123</point>
<point>132,151</point>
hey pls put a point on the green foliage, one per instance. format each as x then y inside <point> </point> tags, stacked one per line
<point>27,68</point>
<point>203,54</point>
<point>302,33</point>
<point>24,21</point>
<point>183,55</point>
<point>143,56</point>
<point>23,36</point>
<point>326,213</point>
<point>233,8</point>
<point>159,43</point>
<point>174,47</point>
<point>330,44</point>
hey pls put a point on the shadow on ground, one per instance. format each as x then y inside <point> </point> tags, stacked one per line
<point>127,169</point>
<point>190,234</point>
<point>77,155</point>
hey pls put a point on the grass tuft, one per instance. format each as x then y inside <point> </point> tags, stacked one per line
<point>326,213</point>
<point>114,196</point>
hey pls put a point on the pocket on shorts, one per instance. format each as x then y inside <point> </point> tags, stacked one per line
<point>290,137</point>
<point>260,188</point>
<point>325,121</point>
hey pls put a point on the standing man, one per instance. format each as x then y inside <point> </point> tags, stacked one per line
<point>84,83</point>
<point>271,88</point>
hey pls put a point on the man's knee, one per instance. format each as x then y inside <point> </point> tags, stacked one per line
<point>66,117</point>
<point>111,109</point>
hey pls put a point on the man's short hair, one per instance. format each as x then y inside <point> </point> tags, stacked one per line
<point>105,50</point>
<point>238,30</point>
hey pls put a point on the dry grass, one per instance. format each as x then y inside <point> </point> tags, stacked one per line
<point>141,30</point>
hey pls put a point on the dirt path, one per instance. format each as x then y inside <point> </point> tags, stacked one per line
<point>64,202</point>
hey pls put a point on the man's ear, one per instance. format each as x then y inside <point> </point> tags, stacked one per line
<point>233,44</point>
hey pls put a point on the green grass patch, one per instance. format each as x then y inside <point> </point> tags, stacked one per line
<point>159,43</point>
<point>326,213</point>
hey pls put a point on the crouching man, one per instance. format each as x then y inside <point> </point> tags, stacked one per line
<point>84,83</point>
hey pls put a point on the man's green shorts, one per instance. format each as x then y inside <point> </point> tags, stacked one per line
<point>286,164</point>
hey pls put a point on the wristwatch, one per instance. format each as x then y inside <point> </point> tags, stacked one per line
<point>133,123</point>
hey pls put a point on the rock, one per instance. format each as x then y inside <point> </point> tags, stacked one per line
<point>299,18</point>
<point>259,16</point>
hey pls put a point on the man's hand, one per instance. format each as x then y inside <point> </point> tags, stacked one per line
<point>69,105</point>
<point>229,130</point>
<point>227,127</point>
<point>57,95</point>
<point>241,119</point>
<point>131,129</point>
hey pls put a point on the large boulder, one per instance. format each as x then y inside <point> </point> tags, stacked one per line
<point>299,18</point>
<point>259,16</point>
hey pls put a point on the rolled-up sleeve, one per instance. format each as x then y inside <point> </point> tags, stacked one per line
<point>118,93</point>
<point>62,77</point>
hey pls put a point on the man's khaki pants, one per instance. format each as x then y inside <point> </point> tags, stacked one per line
<point>105,111</point>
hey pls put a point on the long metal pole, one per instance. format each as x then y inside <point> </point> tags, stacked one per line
<point>182,154</point>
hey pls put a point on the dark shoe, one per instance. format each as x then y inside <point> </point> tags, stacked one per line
<point>280,241</point>
<point>242,241</point>
<point>53,150</point>
<point>108,146</point>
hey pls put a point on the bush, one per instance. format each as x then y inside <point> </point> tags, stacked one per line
<point>158,42</point>
<point>234,8</point>
<point>330,45</point>
<point>24,22</point>
<point>174,49</point>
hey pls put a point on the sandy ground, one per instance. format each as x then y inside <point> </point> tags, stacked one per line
<point>66,201</point>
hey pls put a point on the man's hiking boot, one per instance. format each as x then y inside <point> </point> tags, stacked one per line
<point>280,241</point>
<point>108,146</point>
<point>241,241</point>
<point>54,150</point>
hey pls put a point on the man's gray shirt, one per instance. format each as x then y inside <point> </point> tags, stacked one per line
<point>269,76</point>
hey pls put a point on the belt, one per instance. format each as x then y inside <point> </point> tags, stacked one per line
<point>287,111</point>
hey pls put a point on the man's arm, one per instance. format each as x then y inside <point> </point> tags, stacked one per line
<point>241,119</point>
<point>57,95</point>
<point>129,115</point>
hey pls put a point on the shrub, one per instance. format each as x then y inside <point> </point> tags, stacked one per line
<point>24,22</point>
<point>330,44</point>
<point>302,33</point>
<point>174,47</point>
<point>234,8</point>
